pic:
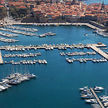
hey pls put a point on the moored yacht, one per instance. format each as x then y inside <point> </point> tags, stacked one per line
<point>87,96</point>
<point>103,97</point>
<point>97,88</point>
<point>84,88</point>
<point>91,101</point>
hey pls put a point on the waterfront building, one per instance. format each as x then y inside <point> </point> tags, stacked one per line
<point>2,1</point>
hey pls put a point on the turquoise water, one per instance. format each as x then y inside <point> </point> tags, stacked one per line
<point>57,82</point>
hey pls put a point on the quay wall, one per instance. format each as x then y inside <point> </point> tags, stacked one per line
<point>91,25</point>
<point>97,25</point>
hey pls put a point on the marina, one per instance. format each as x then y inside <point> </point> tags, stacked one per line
<point>51,47</point>
<point>23,55</point>
<point>44,64</point>
<point>19,32</point>
<point>23,29</point>
<point>59,47</point>
<point>7,35</point>
<point>57,78</point>
<point>14,79</point>
<point>84,60</point>
<point>8,40</point>
<point>90,96</point>
<point>26,62</point>
<point>98,100</point>
<point>77,53</point>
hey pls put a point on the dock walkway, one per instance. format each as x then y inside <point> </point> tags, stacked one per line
<point>98,100</point>
<point>98,50</point>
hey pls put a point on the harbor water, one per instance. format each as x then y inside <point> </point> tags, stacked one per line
<point>58,82</point>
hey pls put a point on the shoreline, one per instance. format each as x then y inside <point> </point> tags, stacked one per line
<point>62,24</point>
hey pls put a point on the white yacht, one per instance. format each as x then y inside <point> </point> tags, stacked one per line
<point>91,101</point>
<point>2,88</point>
<point>84,88</point>
<point>106,104</point>
<point>103,97</point>
<point>97,88</point>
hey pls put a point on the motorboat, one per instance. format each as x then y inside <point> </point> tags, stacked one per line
<point>84,88</point>
<point>103,97</point>
<point>91,101</point>
<point>97,88</point>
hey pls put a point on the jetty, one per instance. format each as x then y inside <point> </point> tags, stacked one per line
<point>98,50</point>
<point>26,62</point>
<point>1,59</point>
<point>98,100</point>
<point>50,47</point>
<point>23,29</point>
<point>17,32</point>
<point>84,60</point>
<point>95,47</point>
<point>23,55</point>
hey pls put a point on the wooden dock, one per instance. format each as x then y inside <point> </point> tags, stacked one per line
<point>98,100</point>
<point>1,59</point>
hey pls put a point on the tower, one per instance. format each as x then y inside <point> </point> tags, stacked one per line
<point>103,5</point>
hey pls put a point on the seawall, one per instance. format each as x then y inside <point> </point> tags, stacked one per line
<point>91,25</point>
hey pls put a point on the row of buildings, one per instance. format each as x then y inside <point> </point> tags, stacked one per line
<point>58,11</point>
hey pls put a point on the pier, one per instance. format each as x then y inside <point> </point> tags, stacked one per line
<point>98,50</point>
<point>1,59</point>
<point>98,100</point>
<point>17,32</point>
<point>60,47</point>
